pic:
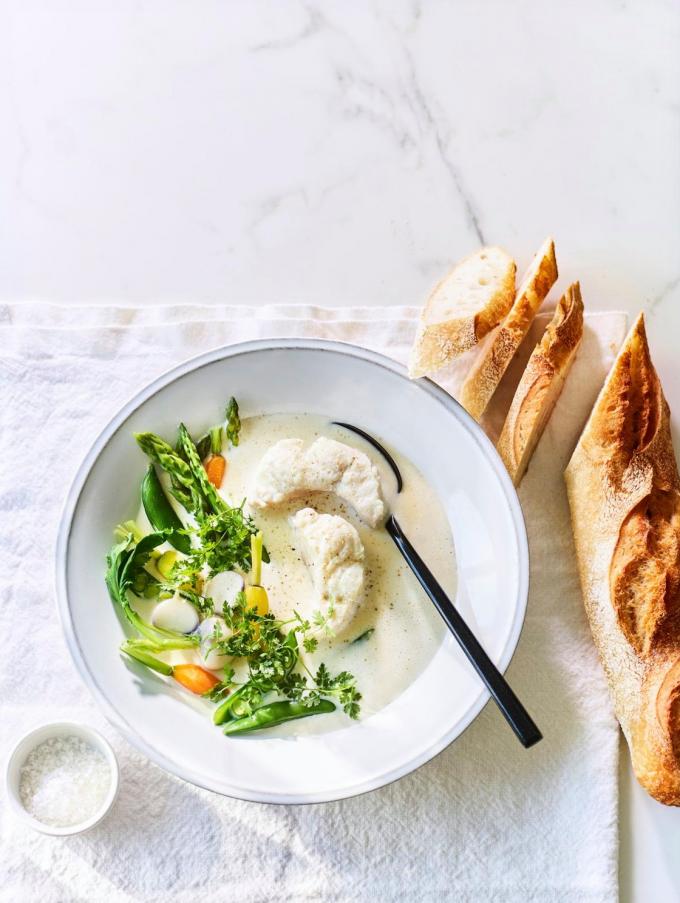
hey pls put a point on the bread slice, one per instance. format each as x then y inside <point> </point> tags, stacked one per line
<point>463,308</point>
<point>541,384</point>
<point>500,346</point>
<point>624,493</point>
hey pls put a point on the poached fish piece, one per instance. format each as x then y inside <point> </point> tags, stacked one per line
<point>288,471</point>
<point>334,555</point>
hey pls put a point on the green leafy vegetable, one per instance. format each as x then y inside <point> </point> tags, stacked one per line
<point>124,562</point>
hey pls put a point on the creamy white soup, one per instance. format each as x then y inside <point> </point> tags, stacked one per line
<point>395,631</point>
<point>406,629</point>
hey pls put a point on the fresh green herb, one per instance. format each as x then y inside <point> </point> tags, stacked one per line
<point>222,689</point>
<point>233,422</point>
<point>221,543</point>
<point>363,636</point>
<point>272,650</point>
<point>204,605</point>
<point>343,686</point>
<point>322,621</point>
<point>310,643</point>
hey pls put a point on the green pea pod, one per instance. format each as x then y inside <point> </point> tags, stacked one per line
<point>277,713</point>
<point>224,711</point>
<point>161,514</point>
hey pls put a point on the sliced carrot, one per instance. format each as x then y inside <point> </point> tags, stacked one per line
<point>215,467</point>
<point>194,678</point>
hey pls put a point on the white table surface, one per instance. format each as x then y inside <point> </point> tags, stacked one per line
<point>345,153</point>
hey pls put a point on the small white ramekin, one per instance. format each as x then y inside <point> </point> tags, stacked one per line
<point>28,743</point>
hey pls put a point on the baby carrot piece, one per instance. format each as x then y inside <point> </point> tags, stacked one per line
<point>215,467</point>
<point>194,678</point>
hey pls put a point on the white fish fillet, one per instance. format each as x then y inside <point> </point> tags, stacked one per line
<point>334,554</point>
<point>287,471</point>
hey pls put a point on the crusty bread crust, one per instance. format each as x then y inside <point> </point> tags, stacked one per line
<point>624,494</point>
<point>502,343</point>
<point>462,308</point>
<point>541,384</point>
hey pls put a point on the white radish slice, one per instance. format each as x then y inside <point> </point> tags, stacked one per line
<point>224,587</point>
<point>175,614</point>
<point>212,659</point>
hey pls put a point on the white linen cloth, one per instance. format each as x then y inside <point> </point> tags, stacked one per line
<point>485,821</point>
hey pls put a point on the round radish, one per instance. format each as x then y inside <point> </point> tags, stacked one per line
<point>175,614</point>
<point>224,587</point>
<point>208,630</point>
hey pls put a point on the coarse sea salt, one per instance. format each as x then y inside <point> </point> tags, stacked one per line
<point>64,781</point>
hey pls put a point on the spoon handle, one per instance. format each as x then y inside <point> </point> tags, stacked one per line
<point>514,712</point>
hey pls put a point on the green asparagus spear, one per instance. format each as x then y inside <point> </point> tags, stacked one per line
<point>183,483</point>
<point>206,488</point>
<point>233,422</point>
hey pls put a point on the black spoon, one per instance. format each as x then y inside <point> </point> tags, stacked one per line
<point>514,712</point>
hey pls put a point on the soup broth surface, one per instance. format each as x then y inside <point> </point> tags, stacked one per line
<point>406,629</point>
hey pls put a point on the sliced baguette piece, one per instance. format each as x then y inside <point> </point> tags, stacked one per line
<point>472,299</point>
<point>502,343</point>
<point>541,384</point>
<point>624,493</point>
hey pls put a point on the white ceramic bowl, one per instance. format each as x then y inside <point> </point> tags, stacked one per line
<point>34,738</point>
<point>344,383</point>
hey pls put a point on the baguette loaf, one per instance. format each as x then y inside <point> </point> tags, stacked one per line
<point>500,346</point>
<point>541,384</point>
<point>463,308</point>
<point>624,494</point>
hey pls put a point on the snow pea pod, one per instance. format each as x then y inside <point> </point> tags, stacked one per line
<point>277,713</point>
<point>229,709</point>
<point>161,514</point>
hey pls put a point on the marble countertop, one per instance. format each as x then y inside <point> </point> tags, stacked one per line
<point>346,153</point>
